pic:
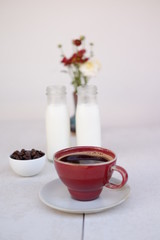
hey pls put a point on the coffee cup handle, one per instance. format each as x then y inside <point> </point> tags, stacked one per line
<point>124,175</point>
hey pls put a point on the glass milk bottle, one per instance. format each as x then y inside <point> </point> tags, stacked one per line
<point>88,127</point>
<point>57,121</point>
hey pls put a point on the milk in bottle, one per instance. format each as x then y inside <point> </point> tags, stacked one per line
<point>88,127</point>
<point>57,121</point>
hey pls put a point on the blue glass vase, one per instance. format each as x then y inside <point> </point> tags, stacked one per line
<point>72,119</point>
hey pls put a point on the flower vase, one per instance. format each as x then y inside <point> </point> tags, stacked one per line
<point>72,119</point>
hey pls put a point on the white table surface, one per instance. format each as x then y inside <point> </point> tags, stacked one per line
<point>23,216</point>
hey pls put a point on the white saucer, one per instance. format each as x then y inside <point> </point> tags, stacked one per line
<point>55,195</point>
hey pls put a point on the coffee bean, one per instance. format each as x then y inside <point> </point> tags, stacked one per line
<point>26,154</point>
<point>23,151</point>
<point>15,156</point>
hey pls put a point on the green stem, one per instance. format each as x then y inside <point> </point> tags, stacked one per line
<point>77,78</point>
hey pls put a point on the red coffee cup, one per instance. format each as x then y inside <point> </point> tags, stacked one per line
<point>85,170</point>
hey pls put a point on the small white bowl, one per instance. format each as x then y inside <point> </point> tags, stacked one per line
<point>27,168</point>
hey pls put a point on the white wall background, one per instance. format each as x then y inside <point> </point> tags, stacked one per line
<point>126,34</point>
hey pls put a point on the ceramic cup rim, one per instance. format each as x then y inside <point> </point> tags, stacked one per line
<point>85,150</point>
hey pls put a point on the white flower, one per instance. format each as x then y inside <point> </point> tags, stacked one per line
<point>90,68</point>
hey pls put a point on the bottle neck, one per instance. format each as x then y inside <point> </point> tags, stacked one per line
<point>87,94</point>
<point>56,94</point>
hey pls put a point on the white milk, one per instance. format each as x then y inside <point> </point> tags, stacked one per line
<point>57,129</point>
<point>88,130</point>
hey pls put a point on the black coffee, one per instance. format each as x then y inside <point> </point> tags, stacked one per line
<point>83,159</point>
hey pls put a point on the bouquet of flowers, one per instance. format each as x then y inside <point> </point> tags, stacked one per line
<point>80,66</point>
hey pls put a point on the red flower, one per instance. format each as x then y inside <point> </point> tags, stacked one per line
<point>77,42</point>
<point>80,53</point>
<point>76,58</point>
<point>84,60</point>
<point>64,60</point>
